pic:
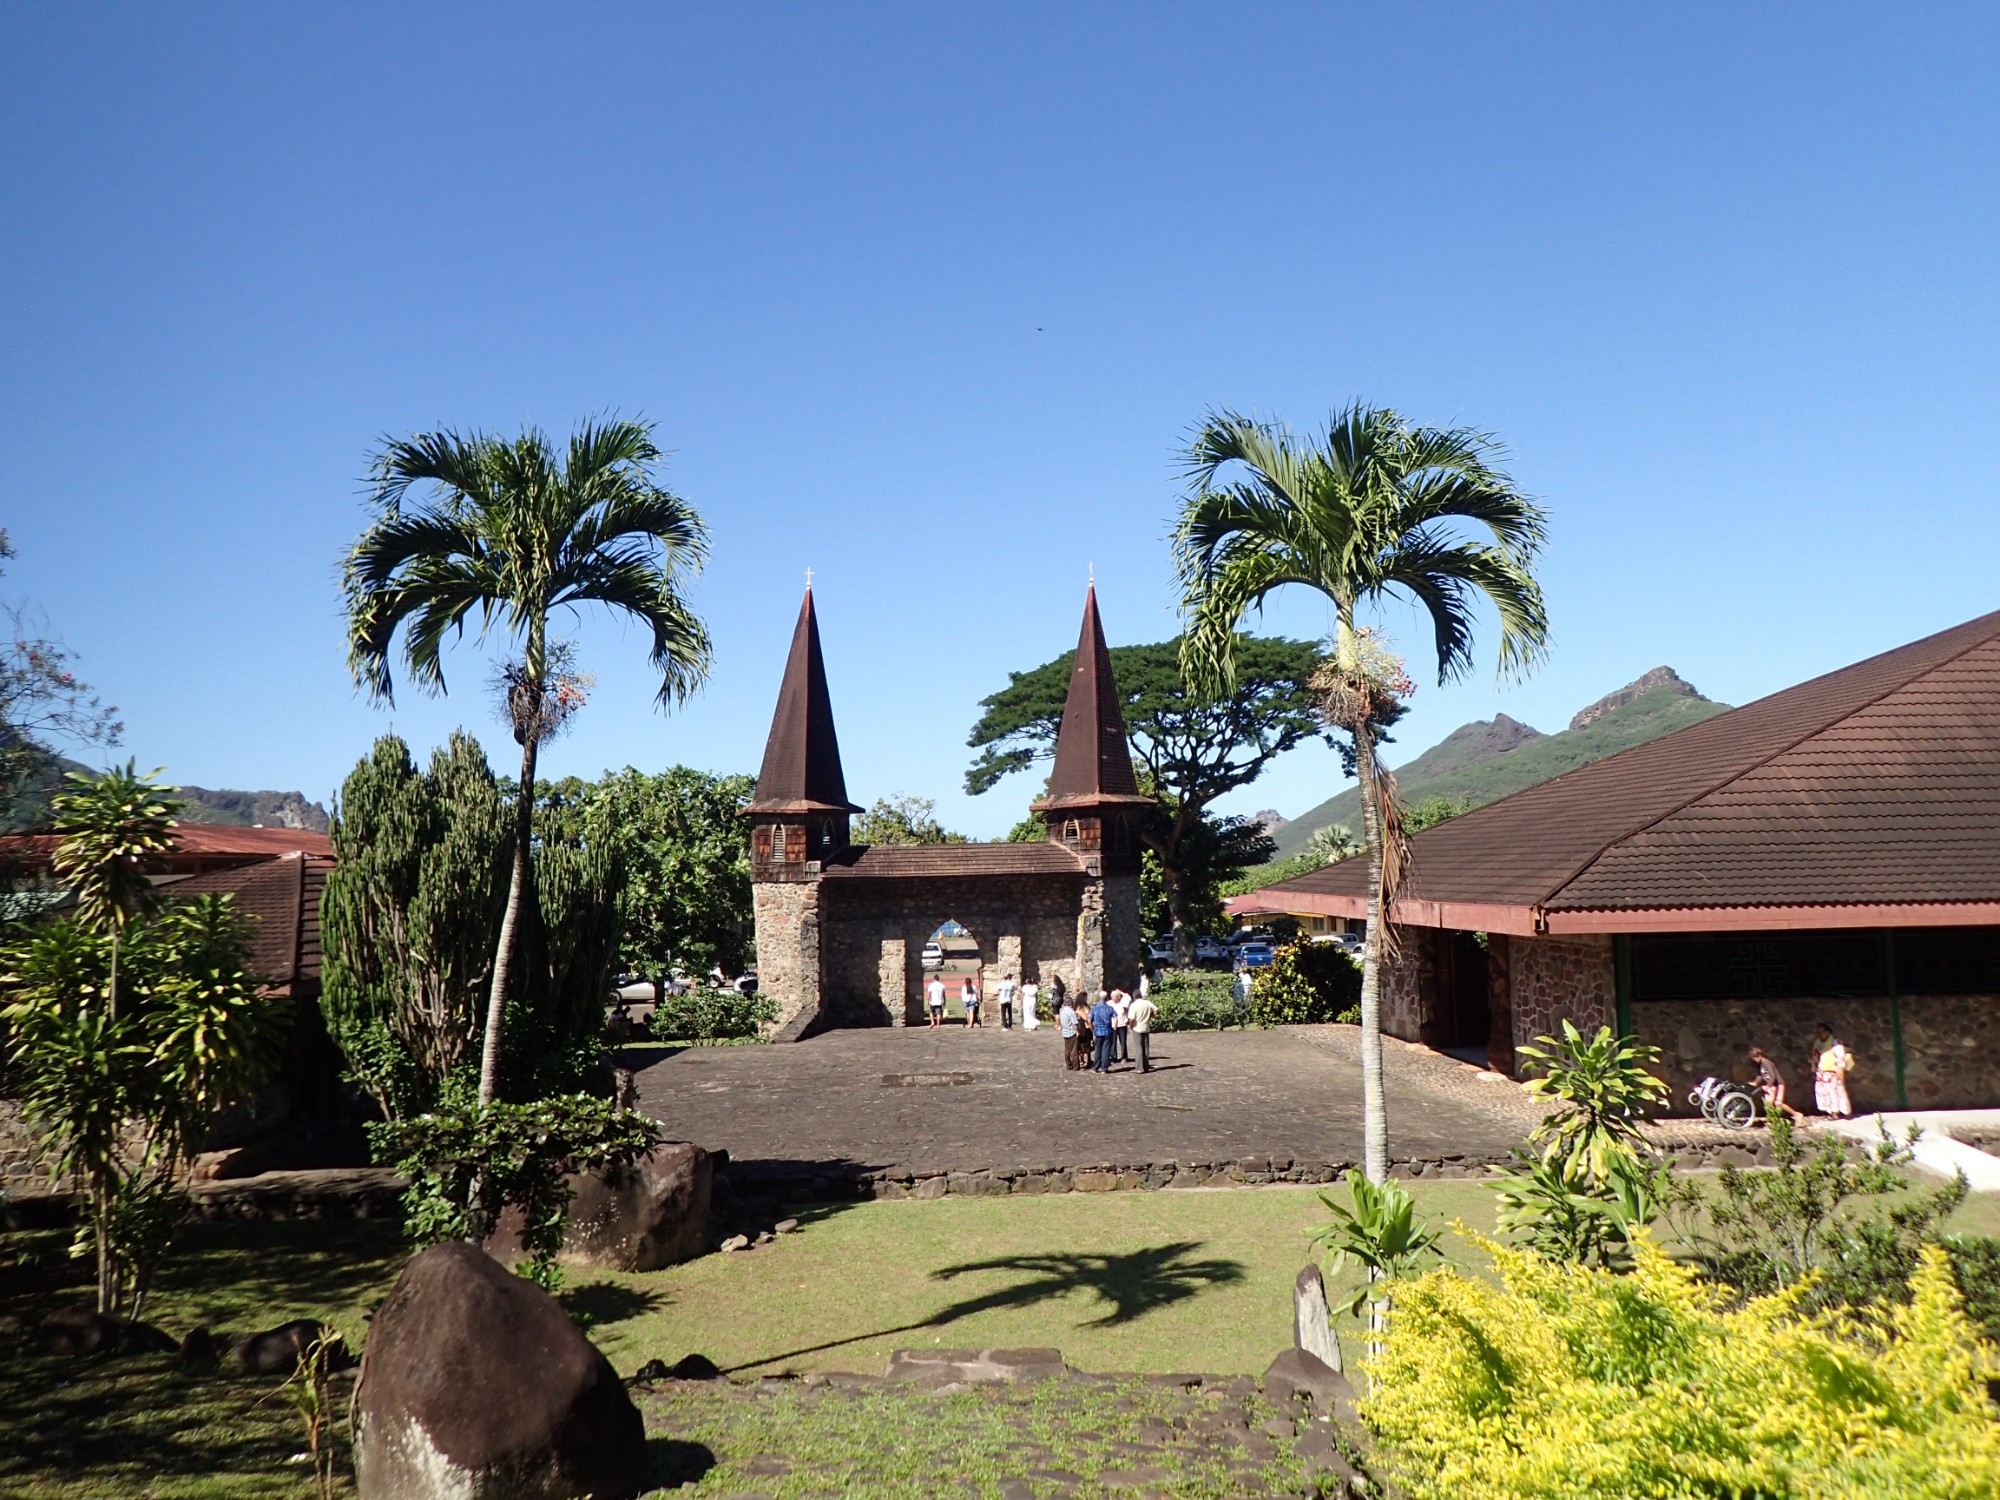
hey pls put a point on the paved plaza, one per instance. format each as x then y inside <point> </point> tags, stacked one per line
<point>905,1104</point>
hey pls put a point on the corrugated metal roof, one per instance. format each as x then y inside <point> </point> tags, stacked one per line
<point>1879,783</point>
<point>930,861</point>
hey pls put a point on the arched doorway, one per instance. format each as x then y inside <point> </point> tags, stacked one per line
<point>951,953</point>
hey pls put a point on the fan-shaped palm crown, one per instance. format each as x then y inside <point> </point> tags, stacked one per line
<point>1373,508</point>
<point>510,530</point>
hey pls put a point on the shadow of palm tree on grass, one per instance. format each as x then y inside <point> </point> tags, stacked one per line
<point>1131,1285</point>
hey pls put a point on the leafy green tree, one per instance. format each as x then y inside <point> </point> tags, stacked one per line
<point>685,894</point>
<point>1374,509</point>
<point>903,819</point>
<point>1376,1231</point>
<point>409,921</point>
<point>110,827</point>
<point>1600,1089</point>
<point>126,1098</point>
<point>412,904</point>
<point>1428,812</point>
<point>1191,751</point>
<point>41,705</point>
<point>510,530</point>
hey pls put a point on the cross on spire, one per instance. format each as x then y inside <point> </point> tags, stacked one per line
<point>809,579</point>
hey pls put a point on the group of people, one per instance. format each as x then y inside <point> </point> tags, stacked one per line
<point>1831,1063</point>
<point>1096,1035</point>
<point>1096,1031</point>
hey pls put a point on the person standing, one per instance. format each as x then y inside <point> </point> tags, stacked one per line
<point>1141,1020</point>
<point>1145,983</point>
<point>1833,1062</point>
<point>968,992</point>
<point>1100,1034</point>
<point>1121,1009</point>
<point>1030,993</point>
<point>934,996</point>
<point>1066,1021</point>
<point>1006,1002</point>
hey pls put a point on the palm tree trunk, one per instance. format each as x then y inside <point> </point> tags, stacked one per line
<point>1374,1110</point>
<point>517,889</point>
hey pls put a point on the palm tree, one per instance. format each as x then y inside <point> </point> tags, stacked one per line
<point>1374,508</point>
<point>509,530</point>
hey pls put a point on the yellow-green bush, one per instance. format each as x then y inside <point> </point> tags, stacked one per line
<point>1570,1381</point>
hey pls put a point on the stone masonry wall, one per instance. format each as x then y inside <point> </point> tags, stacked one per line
<point>1123,941</point>
<point>1553,979</point>
<point>1407,981</point>
<point>19,1149</point>
<point>788,945</point>
<point>1949,1043</point>
<point>873,935</point>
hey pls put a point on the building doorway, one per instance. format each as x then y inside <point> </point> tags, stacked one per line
<point>952,954</point>
<point>1464,1005</point>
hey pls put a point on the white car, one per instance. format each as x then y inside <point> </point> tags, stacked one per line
<point>933,955</point>
<point>1210,950</point>
<point>1161,950</point>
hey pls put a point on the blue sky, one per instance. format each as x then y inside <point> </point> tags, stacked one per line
<point>924,297</point>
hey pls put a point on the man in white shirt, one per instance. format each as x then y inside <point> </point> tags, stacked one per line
<point>1007,1002</point>
<point>934,994</point>
<point>1140,1018</point>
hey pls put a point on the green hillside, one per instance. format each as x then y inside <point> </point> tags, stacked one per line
<point>1536,760</point>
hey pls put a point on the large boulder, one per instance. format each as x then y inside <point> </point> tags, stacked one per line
<point>475,1385</point>
<point>654,1213</point>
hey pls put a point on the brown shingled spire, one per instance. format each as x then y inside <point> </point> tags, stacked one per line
<point>1093,763</point>
<point>801,770</point>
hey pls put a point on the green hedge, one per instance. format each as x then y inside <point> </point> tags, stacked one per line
<point>1307,982</point>
<point>1197,1000</point>
<point>706,1015</point>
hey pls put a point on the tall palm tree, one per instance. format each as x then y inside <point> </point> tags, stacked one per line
<point>510,529</point>
<point>1374,508</point>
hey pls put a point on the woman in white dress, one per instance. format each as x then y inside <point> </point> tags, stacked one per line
<point>1030,993</point>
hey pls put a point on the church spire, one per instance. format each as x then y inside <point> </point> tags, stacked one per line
<point>1093,765</point>
<point>801,771</point>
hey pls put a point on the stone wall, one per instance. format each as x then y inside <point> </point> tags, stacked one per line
<point>1949,1043</point>
<point>1554,979</point>
<point>1124,943</point>
<point>873,935</point>
<point>788,945</point>
<point>1408,982</point>
<point>20,1148</point>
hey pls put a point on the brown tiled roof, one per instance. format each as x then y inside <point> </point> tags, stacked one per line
<point>1875,785</point>
<point>281,898</point>
<point>1093,763</point>
<point>199,843</point>
<point>801,771</point>
<point>908,861</point>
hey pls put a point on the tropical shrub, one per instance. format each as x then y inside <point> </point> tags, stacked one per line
<point>1378,1232</point>
<point>1557,1209</point>
<point>1601,1089</point>
<point>467,1165</point>
<point>1197,1000</point>
<point>1576,1383</point>
<point>711,1015</point>
<point>1306,982</point>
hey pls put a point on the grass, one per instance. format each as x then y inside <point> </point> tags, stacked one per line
<point>1138,1282</point>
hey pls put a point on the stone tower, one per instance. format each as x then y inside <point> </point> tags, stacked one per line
<point>1093,808</point>
<point>798,821</point>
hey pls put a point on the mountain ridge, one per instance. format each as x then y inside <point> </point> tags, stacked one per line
<point>1488,759</point>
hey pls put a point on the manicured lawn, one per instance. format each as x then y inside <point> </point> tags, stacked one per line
<point>1138,1282</point>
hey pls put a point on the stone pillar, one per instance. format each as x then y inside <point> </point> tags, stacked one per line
<point>1499,1004</point>
<point>1090,939</point>
<point>893,982</point>
<point>788,959</point>
<point>1006,960</point>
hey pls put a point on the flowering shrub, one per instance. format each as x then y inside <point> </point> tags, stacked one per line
<point>1575,1383</point>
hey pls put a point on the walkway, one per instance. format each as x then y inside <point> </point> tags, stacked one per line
<point>898,1106</point>
<point>1935,1149</point>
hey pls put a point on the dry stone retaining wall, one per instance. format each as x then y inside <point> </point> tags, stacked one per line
<point>1554,979</point>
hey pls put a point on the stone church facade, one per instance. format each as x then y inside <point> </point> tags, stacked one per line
<point>841,927</point>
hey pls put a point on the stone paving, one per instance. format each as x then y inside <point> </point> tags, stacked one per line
<point>892,1112</point>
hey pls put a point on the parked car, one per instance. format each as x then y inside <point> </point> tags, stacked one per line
<point>1254,954</point>
<point>1210,950</point>
<point>1161,949</point>
<point>746,982</point>
<point>933,955</point>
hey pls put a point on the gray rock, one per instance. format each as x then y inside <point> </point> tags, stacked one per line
<point>277,1351</point>
<point>84,1330</point>
<point>735,1242</point>
<point>475,1383</point>
<point>960,1367</point>
<point>1312,1327</point>
<point>655,1213</point>
<point>785,1226</point>
<point>1296,1372</point>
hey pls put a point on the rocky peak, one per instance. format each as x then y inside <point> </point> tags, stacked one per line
<point>1660,679</point>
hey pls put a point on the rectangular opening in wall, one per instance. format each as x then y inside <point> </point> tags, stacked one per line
<point>1757,965</point>
<point>1948,960</point>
